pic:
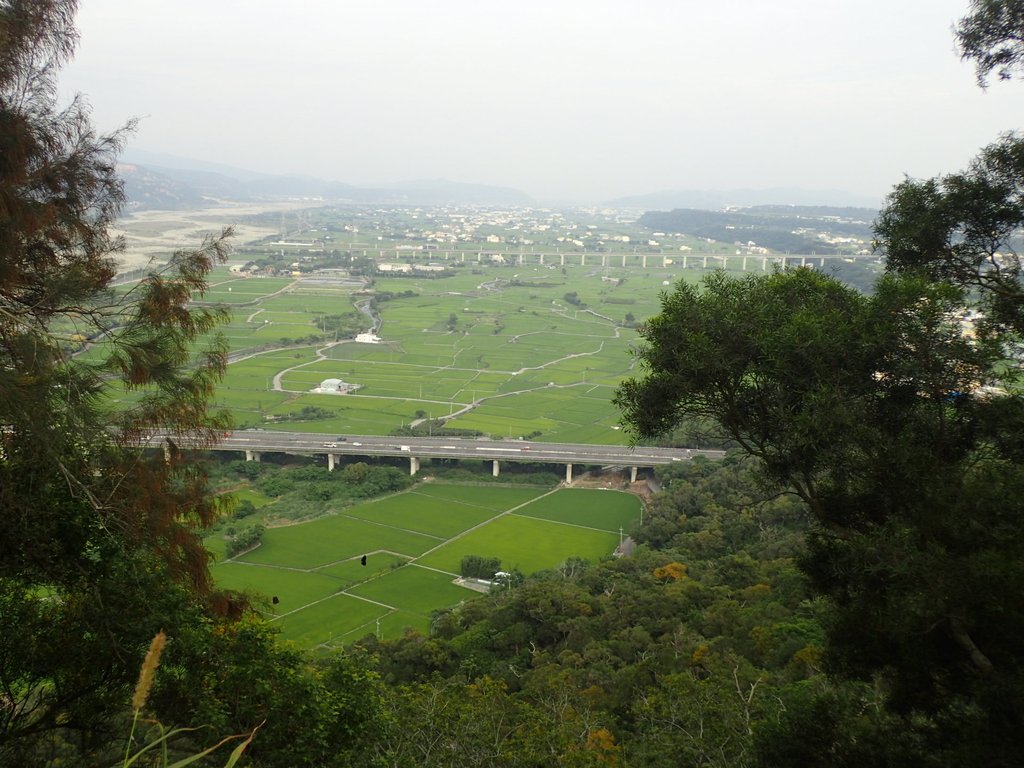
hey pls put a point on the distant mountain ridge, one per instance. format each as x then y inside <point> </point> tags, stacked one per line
<point>711,199</point>
<point>157,181</point>
<point>147,188</point>
<point>160,180</point>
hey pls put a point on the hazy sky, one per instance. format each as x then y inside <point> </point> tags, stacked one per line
<point>575,100</point>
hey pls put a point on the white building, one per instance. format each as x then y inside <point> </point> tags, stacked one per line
<point>335,387</point>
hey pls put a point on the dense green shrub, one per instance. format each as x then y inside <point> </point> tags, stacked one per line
<point>478,567</point>
<point>244,540</point>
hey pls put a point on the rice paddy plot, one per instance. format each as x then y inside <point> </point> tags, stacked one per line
<point>610,511</point>
<point>557,413</point>
<point>414,589</point>
<point>259,286</point>
<point>584,408</point>
<point>433,516</point>
<point>390,625</point>
<point>248,404</point>
<point>483,381</point>
<point>355,414</point>
<point>594,434</point>
<point>291,317</point>
<point>349,572</point>
<point>293,589</point>
<point>507,426</point>
<point>332,539</point>
<point>310,304</point>
<point>238,339</point>
<point>268,363</point>
<point>524,543</point>
<point>493,497</point>
<point>422,355</point>
<point>282,320</point>
<point>357,351</point>
<point>278,331</point>
<point>227,296</point>
<point>336,616</point>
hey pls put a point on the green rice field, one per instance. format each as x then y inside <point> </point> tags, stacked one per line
<point>497,350</point>
<point>413,543</point>
<point>528,351</point>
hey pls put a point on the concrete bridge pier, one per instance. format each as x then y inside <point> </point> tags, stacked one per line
<point>414,465</point>
<point>623,259</point>
<point>563,259</point>
<point>744,263</point>
<point>643,261</point>
<point>632,474</point>
<point>495,467</point>
<point>252,456</point>
<point>330,462</point>
<point>764,264</point>
<point>568,473</point>
<point>684,262</point>
<point>822,264</point>
<point>705,264</point>
<point>583,259</point>
<point>803,261</point>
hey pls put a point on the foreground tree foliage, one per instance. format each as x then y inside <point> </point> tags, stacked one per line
<point>101,544</point>
<point>993,37</point>
<point>965,229</point>
<point>873,411</point>
<point>101,540</point>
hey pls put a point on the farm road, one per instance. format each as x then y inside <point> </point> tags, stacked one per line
<point>319,356</point>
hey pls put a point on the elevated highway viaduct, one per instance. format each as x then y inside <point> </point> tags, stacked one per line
<point>254,443</point>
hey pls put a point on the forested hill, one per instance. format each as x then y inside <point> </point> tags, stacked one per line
<point>786,229</point>
<point>662,658</point>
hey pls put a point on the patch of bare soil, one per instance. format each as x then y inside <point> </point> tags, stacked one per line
<point>614,480</point>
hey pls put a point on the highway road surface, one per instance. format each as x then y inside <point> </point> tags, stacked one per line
<point>270,441</point>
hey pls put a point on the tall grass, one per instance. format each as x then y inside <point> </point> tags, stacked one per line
<point>156,748</point>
